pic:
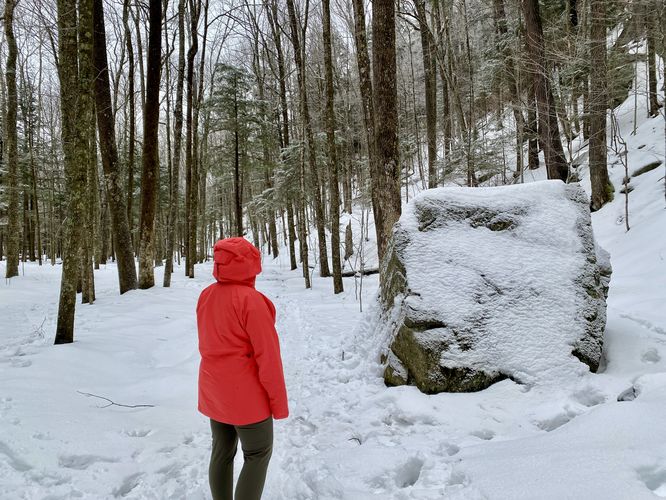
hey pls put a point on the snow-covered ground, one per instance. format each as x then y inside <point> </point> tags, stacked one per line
<point>348,436</point>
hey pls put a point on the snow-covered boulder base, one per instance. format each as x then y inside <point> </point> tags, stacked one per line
<point>482,284</point>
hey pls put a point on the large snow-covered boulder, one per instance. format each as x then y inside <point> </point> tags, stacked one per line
<point>481,284</point>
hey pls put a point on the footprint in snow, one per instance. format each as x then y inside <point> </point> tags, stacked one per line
<point>20,363</point>
<point>408,474</point>
<point>457,478</point>
<point>15,462</point>
<point>589,396</point>
<point>651,356</point>
<point>654,478</point>
<point>552,423</point>
<point>82,462</point>
<point>128,484</point>
<point>485,434</point>
<point>628,394</point>
<point>448,449</point>
<point>137,432</point>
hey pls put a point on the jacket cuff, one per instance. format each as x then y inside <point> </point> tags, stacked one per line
<point>280,414</point>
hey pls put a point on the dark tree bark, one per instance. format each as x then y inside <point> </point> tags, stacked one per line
<point>365,85</point>
<point>511,80</point>
<point>601,193</point>
<point>573,13</point>
<point>191,178</point>
<point>386,174</point>
<point>198,169</point>
<point>651,53</point>
<point>107,141</point>
<point>549,133</point>
<point>131,140</point>
<point>150,157</point>
<point>430,84</point>
<point>238,195</point>
<point>178,132</point>
<point>309,139</point>
<point>13,230</point>
<point>86,123</point>
<point>332,156</point>
<point>272,11</point>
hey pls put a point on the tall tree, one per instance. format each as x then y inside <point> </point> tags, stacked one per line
<point>332,156</point>
<point>191,179</point>
<point>177,141</point>
<point>86,122</point>
<point>150,157</point>
<point>131,129</point>
<point>386,172</point>
<point>273,20</point>
<point>107,141</point>
<point>365,82</point>
<point>75,161</point>
<point>601,189</point>
<point>298,41</point>
<point>549,133</point>
<point>511,80</point>
<point>13,231</point>
<point>430,90</point>
<point>651,16</point>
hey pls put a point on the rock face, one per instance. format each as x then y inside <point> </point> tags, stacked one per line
<point>487,283</point>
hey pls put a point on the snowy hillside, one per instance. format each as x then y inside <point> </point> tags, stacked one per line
<point>348,437</point>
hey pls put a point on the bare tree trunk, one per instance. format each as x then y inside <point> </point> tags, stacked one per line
<point>332,156</point>
<point>430,82</point>
<point>511,80</point>
<point>601,192</point>
<point>309,139</point>
<point>178,132</point>
<point>150,157</point>
<point>75,166</point>
<point>107,140</point>
<point>386,174</point>
<point>131,140</point>
<point>651,53</point>
<point>365,85</point>
<point>86,122</point>
<point>13,231</point>
<point>198,170</point>
<point>272,11</point>
<point>549,133</point>
<point>191,180</point>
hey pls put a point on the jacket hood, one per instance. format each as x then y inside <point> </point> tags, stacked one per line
<point>236,260</point>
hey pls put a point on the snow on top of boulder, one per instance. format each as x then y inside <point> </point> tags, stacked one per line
<point>497,273</point>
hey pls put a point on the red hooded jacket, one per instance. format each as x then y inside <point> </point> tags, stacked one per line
<point>240,376</point>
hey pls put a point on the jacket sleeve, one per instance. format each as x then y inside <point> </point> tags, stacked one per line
<point>260,327</point>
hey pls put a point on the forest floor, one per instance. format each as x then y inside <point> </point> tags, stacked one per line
<point>348,436</point>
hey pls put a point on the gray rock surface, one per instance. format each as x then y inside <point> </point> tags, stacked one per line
<point>494,283</point>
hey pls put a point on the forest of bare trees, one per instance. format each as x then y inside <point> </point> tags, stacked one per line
<point>143,131</point>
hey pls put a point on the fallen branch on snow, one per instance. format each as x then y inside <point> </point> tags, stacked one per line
<point>113,403</point>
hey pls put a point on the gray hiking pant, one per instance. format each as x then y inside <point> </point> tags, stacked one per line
<point>257,445</point>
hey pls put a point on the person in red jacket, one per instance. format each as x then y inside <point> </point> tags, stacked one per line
<point>241,381</point>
